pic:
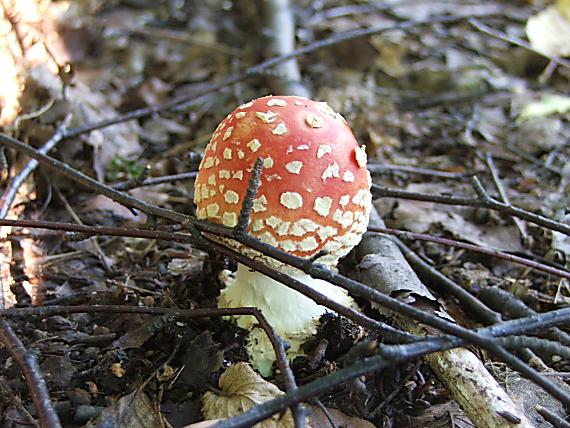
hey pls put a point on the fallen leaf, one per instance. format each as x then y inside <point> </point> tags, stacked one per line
<point>135,410</point>
<point>546,106</point>
<point>241,389</point>
<point>549,31</point>
<point>317,419</point>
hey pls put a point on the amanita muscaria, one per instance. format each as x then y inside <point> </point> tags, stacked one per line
<point>314,195</point>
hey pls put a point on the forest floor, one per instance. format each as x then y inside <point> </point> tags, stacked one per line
<point>453,92</point>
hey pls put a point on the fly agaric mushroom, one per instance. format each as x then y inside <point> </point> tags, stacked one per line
<point>314,195</point>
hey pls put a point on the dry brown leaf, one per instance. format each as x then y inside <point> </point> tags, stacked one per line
<point>319,420</point>
<point>242,388</point>
<point>135,410</point>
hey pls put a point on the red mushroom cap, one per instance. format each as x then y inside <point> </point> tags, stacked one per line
<point>314,192</point>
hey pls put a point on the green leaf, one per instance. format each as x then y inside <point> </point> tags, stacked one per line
<point>548,105</point>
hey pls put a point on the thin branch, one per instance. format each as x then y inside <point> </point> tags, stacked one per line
<point>382,168</point>
<point>514,41</point>
<point>250,194</point>
<point>15,183</point>
<point>28,363</point>
<point>92,184</point>
<point>503,194</point>
<point>189,100</point>
<point>131,184</point>
<point>475,248</point>
<point>551,417</point>
<point>483,201</point>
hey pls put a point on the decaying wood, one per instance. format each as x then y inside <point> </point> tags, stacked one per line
<point>383,267</point>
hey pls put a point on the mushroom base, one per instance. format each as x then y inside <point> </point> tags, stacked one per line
<point>293,315</point>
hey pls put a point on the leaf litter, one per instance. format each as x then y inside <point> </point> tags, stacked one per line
<point>433,98</point>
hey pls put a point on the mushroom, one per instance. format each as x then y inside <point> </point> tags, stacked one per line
<point>314,195</point>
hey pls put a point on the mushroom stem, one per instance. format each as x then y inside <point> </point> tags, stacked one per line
<point>285,309</point>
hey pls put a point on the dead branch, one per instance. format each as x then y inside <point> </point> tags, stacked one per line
<point>28,363</point>
<point>484,200</point>
<point>305,265</point>
<point>481,397</point>
<point>562,273</point>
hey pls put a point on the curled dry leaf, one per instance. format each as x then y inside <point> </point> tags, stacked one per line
<point>242,388</point>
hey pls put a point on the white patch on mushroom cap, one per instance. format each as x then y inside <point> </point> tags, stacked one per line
<point>259,204</point>
<point>325,232</point>
<point>326,109</point>
<point>345,218</point>
<point>268,238</point>
<point>202,214</point>
<point>288,246</point>
<point>323,150</point>
<point>231,197</point>
<point>227,153</point>
<point>280,129</point>
<point>212,209</point>
<point>240,114</point>
<point>331,171</point>
<point>240,153</point>
<point>238,175</point>
<point>212,180</point>
<point>291,200</point>
<point>268,117</point>
<point>361,198</point>
<point>273,221</point>
<point>257,225</point>
<point>254,145</point>
<point>322,205</point>
<point>268,162</point>
<point>303,147</point>
<point>308,244</point>
<point>360,155</point>
<point>276,102</point>
<point>208,162</point>
<point>302,226</point>
<point>344,200</point>
<point>229,219</point>
<point>204,192</point>
<point>228,133</point>
<point>224,173</point>
<point>294,167</point>
<point>314,121</point>
<point>283,228</point>
<point>348,177</point>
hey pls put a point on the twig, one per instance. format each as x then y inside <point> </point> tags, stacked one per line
<point>131,184</point>
<point>16,182</point>
<point>28,363</point>
<point>513,307</point>
<point>503,194</point>
<point>314,270</point>
<point>188,100</point>
<point>551,417</point>
<point>390,333</point>
<point>483,201</point>
<point>250,194</point>
<point>91,183</point>
<point>381,168</point>
<point>475,248</point>
<point>514,41</point>
<point>443,284</point>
